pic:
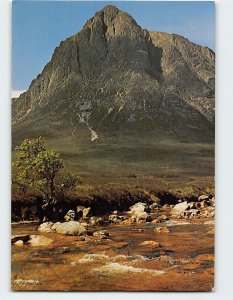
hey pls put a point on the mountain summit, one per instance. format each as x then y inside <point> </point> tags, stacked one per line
<point>114,78</point>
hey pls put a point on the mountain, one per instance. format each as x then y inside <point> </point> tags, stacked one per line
<point>114,82</point>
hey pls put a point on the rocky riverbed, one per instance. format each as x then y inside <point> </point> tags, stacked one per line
<point>147,248</point>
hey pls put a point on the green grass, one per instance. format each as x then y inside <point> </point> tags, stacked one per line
<point>119,164</point>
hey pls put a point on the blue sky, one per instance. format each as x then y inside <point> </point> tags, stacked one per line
<point>39,26</point>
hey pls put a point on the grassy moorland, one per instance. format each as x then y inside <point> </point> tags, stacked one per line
<point>113,167</point>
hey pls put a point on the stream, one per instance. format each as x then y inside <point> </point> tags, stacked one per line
<point>184,261</point>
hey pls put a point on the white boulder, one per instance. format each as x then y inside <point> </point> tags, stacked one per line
<point>69,228</point>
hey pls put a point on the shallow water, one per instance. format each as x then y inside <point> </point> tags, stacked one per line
<point>183,262</point>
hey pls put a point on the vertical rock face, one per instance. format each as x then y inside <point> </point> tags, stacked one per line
<point>114,76</point>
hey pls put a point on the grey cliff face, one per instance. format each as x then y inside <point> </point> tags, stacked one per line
<point>114,76</point>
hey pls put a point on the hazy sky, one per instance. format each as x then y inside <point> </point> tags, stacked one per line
<point>39,26</point>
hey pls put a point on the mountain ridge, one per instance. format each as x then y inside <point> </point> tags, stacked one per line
<point>115,77</point>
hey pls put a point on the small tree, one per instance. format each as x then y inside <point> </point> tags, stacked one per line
<point>38,168</point>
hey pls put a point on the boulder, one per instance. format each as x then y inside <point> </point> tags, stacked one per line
<point>161,229</point>
<point>69,228</point>
<point>141,216</point>
<point>192,213</point>
<point>203,197</point>
<point>19,243</point>
<point>54,226</point>
<point>103,234</point>
<point>160,219</point>
<point>46,227</point>
<point>195,213</point>
<point>194,205</point>
<point>39,240</point>
<point>208,213</point>
<point>138,208</point>
<point>153,244</point>
<point>21,238</point>
<point>129,221</point>
<point>116,219</point>
<point>205,203</point>
<point>96,221</point>
<point>179,208</point>
<point>154,206</point>
<point>70,216</point>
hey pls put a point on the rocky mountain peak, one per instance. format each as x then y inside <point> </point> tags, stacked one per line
<point>115,76</point>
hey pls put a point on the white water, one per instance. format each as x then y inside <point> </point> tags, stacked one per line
<point>119,268</point>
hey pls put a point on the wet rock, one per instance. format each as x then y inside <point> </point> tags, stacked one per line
<point>39,240</point>
<point>103,234</point>
<point>113,218</point>
<point>179,208</point>
<point>116,219</point>
<point>70,216</point>
<point>205,203</point>
<point>192,213</point>
<point>203,197</point>
<point>46,227</point>
<point>154,206</point>
<point>19,243</point>
<point>153,244</point>
<point>162,230</point>
<point>138,208</point>
<point>194,205</point>
<point>22,238</point>
<point>96,221</point>
<point>142,216</point>
<point>69,228</point>
<point>208,213</point>
<point>161,219</point>
<point>129,221</point>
